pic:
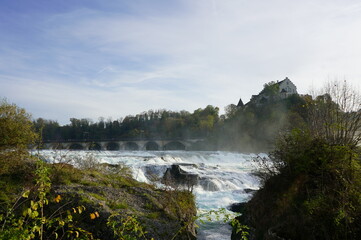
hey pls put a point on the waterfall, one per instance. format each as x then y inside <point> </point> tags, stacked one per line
<point>222,178</point>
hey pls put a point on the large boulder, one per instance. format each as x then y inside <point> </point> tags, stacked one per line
<point>175,177</point>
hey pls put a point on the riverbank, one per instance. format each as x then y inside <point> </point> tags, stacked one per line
<point>313,192</point>
<point>103,200</point>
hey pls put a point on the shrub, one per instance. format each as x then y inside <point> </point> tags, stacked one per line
<point>87,162</point>
<point>29,218</point>
<point>16,134</point>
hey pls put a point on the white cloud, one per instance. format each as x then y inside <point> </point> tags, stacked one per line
<point>205,52</point>
<point>58,101</point>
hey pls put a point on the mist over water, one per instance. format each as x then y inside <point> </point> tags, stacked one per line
<point>223,176</point>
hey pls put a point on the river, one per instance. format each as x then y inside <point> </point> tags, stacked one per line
<point>223,176</point>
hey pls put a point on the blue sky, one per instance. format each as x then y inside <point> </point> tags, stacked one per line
<point>86,59</point>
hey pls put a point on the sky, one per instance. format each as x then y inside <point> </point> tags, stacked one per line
<point>63,59</point>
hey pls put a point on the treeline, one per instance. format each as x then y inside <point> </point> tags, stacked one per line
<point>254,127</point>
<point>251,127</point>
<point>162,124</point>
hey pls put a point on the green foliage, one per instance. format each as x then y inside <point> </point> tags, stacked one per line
<point>151,124</point>
<point>118,205</point>
<point>36,214</point>
<point>129,227</point>
<point>126,228</point>
<point>238,228</point>
<point>270,89</point>
<point>64,173</point>
<point>231,111</point>
<point>16,133</point>
<point>313,189</point>
<point>47,127</point>
<point>29,219</point>
<point>317,188</point>
<point>16,129</point>
<point>254,127</point>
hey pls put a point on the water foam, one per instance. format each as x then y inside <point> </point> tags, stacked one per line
<point>223,176</point>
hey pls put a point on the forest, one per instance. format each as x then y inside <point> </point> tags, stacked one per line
<point>250,128</point>
<point>159,124</point>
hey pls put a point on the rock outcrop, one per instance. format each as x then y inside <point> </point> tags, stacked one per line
<point>175,176</point>
<point>163,214</point>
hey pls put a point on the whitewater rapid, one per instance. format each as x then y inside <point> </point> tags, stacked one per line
<point>224,177</point>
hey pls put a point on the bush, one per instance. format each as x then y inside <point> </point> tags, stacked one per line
<point>87,162</point>
<point>16,134</point>
<point>313,186</point>
<point>314,193</point>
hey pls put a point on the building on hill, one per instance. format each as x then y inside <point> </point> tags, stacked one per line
<point>240,103</point>
<point>286,88</point>
<point>274,90</point>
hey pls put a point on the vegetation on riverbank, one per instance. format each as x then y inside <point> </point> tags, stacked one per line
<point>159,124</point>
<point>312,188</point>
<point>39,200</point>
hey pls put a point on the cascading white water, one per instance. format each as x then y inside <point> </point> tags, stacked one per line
<point>223,176</point>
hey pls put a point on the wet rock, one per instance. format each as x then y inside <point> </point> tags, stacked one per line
<point>175,176</point>
<point>249,190</point>
<point>208,185</point>
<point>237,207</point>
<point>154,172</point>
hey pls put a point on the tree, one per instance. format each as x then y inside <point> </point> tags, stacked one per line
<point>16,128</point>
<point>16,134</point>
<point>231,110</point>
<point>48,129</point>
<point>335,114</point>
<point>270,89</point>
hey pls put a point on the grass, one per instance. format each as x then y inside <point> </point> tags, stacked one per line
<point>117,205</point>
<point>97,196</point>
<point>153,215</point>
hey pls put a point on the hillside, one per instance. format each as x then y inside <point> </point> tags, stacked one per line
<point>312,181</point>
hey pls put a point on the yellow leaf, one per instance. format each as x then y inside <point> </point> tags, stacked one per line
<point>57,199</point>
<point>26,194</point>
<point>35,214</point>
<point>92,216</point>
<point>96,214</point>
<point>80,209</point>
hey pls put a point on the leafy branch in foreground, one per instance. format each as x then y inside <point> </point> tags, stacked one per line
<point>127,228</point>
<point>28,218</point>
